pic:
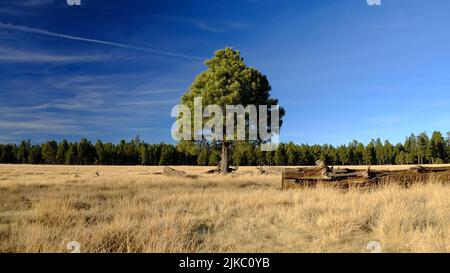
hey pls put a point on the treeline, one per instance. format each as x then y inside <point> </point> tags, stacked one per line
<point>419,149</point>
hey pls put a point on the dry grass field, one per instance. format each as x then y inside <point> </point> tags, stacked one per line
<point>129,209</point>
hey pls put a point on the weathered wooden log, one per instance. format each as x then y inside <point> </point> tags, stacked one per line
<point>172,172</point>
<point>213,171</point>
<point>339,171</point>
<point>269,170</point>
<point>218,170</point>
<point>423,169</point>
<point>346,178</point>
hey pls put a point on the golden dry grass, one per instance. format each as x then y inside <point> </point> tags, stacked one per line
<point>128,209</point>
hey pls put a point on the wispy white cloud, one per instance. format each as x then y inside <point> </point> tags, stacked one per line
<point>81,81</point>
<point>31,119</point>
<point>91,106</point>
<point>23,7</point>
<point>20,109</point>
<point>160,91</point>
<point>12,11</point>
<point>26,29</point>
<point>336,101</point>
<point>68,122</point>
<point>368,101</point>
<point>113,93</point>
<point>148,102</point>
<point>19,56</point>
<point>203,25</point>
<point>36,125</point>
<point>33,3</point>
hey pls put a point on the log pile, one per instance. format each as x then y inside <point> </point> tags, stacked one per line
<point>347,178</point>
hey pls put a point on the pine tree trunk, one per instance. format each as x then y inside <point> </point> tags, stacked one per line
<point>224,162</point>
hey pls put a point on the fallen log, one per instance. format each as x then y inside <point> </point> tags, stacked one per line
<point>218,170</point>
<point>269,170</point>
<point>213,171</point>
<point>172,172</point>
<point>151,173</point>
<point>346,178</point>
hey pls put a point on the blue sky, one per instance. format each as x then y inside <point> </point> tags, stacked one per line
<point>109,70</point>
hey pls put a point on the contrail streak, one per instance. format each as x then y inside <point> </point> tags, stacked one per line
<point>70,37</point>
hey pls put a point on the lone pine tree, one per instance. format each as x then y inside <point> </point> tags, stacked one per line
<point>229,81</point>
